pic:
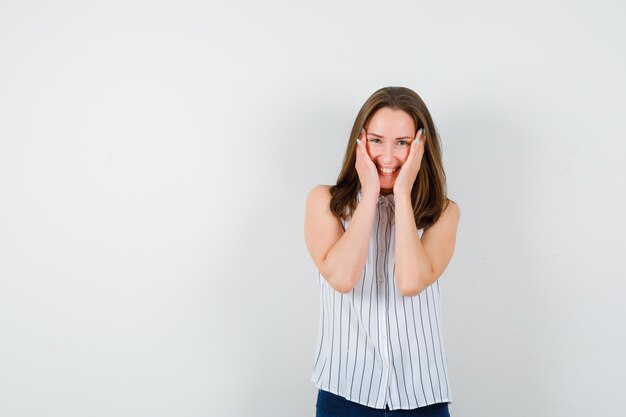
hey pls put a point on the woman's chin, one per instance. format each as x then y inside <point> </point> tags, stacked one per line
<point>386,182</point>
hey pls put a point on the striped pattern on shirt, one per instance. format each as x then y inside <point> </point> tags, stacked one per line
<point>375,346</point>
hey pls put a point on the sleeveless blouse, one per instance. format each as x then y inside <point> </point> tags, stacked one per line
<point>375,346</point>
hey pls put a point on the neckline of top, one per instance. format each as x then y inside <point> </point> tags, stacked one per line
<point>383,197</point>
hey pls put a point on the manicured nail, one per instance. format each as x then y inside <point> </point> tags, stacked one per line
<point>362,130</point>
<point>358,142</point>
<point>421,131</point>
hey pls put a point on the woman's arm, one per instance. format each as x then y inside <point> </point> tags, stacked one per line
<point>419,263</point>
<point>339,256</point>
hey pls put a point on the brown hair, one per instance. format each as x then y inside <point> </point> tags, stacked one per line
<point>428,194</point>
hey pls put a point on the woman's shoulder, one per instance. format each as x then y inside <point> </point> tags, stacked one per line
<point>320,194</point>
<point>451,208</point>
<point>318,211</point>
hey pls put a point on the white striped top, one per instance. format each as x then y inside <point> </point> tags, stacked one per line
<point>375,346</point>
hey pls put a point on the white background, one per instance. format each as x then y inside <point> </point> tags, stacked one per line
<point>155,158</point>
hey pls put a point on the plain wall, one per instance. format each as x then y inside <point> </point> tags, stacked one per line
<point>155,158</point>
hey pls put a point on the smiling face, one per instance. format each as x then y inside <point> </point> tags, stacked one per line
<point>389,136</point>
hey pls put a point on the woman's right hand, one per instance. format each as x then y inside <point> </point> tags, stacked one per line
<point>365,167</point>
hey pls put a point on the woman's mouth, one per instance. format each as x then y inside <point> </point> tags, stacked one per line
<point>386,171</point>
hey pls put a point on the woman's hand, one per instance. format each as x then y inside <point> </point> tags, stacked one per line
<point>365,167</point>
<point>410,168</point>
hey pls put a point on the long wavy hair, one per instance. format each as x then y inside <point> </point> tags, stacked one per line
<point>428,195</point>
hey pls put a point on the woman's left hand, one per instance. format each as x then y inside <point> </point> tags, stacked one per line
<point>410,168</point>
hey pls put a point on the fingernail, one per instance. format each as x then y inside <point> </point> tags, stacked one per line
<point>421,131</point>
<point>362,130</point>
<point>358,141</point>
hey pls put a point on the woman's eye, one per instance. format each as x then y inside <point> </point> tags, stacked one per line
<point>403,142</point>
<point>375,140</point>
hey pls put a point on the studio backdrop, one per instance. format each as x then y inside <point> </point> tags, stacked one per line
<point>155,159</point>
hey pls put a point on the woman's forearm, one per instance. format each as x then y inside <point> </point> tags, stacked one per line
<point>413,267</point>
<point>345,262</point>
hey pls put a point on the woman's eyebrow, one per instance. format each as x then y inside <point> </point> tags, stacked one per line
<point>381,136</point>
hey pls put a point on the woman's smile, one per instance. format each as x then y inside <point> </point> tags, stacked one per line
<point>387,172</point>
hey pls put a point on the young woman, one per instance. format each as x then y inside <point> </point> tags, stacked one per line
<point>380,239</point>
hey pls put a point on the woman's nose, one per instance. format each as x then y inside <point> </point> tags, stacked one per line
<point>387,153</point>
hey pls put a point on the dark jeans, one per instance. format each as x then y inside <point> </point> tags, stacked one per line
<point>331,405</point>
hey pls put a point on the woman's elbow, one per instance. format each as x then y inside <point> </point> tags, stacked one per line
<point>340,281</point>
<point>337,285</point>
<point>410,289</point>
<point>342,287</point>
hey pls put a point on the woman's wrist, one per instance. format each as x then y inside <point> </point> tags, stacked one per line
<point>400,196</point>
<point>370,193</point>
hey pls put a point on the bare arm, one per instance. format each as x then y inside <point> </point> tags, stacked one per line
<point>339,256</point>
<point>419,263</point>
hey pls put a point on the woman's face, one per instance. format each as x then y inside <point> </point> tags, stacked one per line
<point>389,136</point>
